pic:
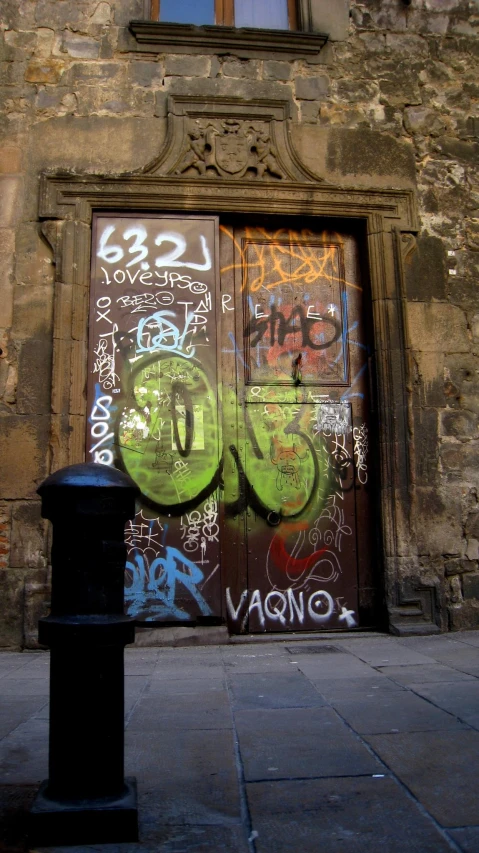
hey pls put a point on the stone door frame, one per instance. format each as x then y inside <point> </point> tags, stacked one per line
<point>389,217</point>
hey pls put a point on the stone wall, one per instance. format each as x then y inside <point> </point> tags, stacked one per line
<point>392,105</point>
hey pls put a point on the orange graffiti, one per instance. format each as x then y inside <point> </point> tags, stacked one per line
<point>285,257</point>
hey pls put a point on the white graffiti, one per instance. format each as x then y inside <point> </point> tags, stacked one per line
<point>142,533</point>
<point>360,435</point>
<point>142,302</point>
<point>199,528</point>
<point>333,535</point>
<point>333,418</point>
<point>104,363</point>
<point>99,430</point>
<point>287,608</point>
<point>114,253</point>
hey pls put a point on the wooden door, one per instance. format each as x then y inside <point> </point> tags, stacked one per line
<point>153,403</point>
<point>297,473</point>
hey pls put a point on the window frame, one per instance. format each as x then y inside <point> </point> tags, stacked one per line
<point>224,13</point>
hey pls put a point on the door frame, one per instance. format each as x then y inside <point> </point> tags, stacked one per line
<point>390,222</point>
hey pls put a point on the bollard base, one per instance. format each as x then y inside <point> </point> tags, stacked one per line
<point>89,821</point>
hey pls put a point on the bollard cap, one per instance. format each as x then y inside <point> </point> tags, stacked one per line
<point>90,487</point>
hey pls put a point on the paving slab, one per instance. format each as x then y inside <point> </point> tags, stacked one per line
<point>467,838</point>
<point>345,688</point>
<point>263,663</point>
<point>136,665</point>
<point>162,672</point>
<point>17,710</point>
<point>471,638</point>
<point>24,754</point>
<point>425,674</point>
<point>163,713</point>
<point>340,665</point>
<point>339,816</point>
<point>179,685</point>
<point>446,651</point>
<point>461,699</point>
<point>187,777</point>
<point>440,768</point>
<point>382,652</point>
<point>394,712</point>
<point>283,690</point>
<point>12,661</point>
<point>299,743</point>
<point>170,839</point>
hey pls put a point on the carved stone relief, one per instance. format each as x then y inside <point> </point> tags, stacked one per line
<point>229,140</point>
<point>229,148</point>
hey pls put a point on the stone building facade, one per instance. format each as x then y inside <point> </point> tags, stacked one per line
<point>355,137</point>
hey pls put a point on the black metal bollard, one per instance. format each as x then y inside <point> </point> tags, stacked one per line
<point>86,798</point>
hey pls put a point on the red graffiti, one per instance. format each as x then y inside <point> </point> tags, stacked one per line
<point>284,561</point>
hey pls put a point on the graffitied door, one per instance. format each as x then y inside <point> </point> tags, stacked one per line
<point>296,474</point>
<point>153,403</point>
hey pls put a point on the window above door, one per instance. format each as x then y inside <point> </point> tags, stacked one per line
<point>269,14</point>
<point>245,28</point>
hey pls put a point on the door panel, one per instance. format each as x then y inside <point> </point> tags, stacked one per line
<point>153,403</point>
<point>302,391</point>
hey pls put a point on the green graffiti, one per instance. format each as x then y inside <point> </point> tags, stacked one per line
<point>167,434</point>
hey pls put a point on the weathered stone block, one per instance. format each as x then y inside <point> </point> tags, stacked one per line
<point>11,596</point>
<point>37,606</point>
<point>470,585</point>
<point>472,549</point>
<point>48,71</point>
<point>437,327</point>
<point>34,377</point>
<point>330,18</point>
<point>357,91</point>
<point>311,88</point>
<point>458,149</point>
<point>248,68</point>
<point>80,46</point>
<point>461,374</point>
<point>102,13</point>
<point>439,527</point>
<point>458,566</point>
<point>472,525</point>
<point>420,119</point>
<point>310,112</point>
<point>23,454</point>
<point>428,387</point>
<point>96,143</point>
<point>11,191</point>
<point>352,152</point>
<point>5,527</point>
<point>33,258</point>
<point>7,248</point>
<point>275,70</point>
<point>426,446</point>
<point>459,423</point>
<point>32,312</point>
<point>464,617</point>
<point>10,160</point>
<point>91,72</point>
<point>426,270</point>
<point>28,536</point>
<point>191,66</point>
<point>146,74</point>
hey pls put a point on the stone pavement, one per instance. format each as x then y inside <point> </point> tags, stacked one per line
<point>327,744</point>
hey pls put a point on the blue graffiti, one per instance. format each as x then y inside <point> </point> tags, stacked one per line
<point>154,586</point>
<point>168,335</point>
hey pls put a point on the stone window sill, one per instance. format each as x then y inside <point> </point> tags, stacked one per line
<point>245,42</point>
